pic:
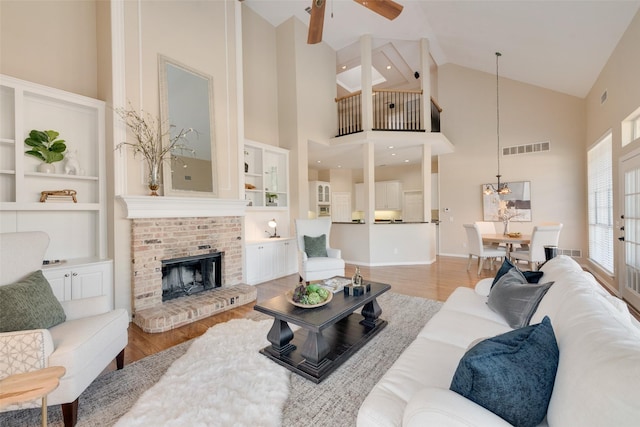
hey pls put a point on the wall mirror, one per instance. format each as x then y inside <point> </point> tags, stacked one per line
<point>517,203</point>
<point>186,101</point>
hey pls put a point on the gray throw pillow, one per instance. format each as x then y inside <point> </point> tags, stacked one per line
<point>512,374</point>
<point>29,304</point>
<point>315,246</point>
<point>515,299</point>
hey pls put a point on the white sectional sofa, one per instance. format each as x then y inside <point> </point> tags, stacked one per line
<point>598,375</point>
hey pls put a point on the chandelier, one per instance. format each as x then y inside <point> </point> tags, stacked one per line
<point>502,188</point>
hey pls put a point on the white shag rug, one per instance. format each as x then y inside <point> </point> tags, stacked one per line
<point>222,380</point>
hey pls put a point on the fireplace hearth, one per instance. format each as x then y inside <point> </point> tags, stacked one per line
<point>190,275</point>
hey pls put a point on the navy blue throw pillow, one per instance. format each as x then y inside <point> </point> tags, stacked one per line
<point>531,276</point>
<point>512,374</point>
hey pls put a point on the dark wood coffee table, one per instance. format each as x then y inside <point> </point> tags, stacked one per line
<point>328,335</point>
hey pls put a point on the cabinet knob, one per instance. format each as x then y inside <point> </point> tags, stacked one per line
<point>74,274</point>
<point>66,275</point>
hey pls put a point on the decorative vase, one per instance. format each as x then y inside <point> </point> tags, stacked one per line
<point>506,227</point>
<point>154,179</point>
<point>47,168</point>
<point>246,167</point>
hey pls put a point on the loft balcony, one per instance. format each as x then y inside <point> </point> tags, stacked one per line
<point>393,110</point>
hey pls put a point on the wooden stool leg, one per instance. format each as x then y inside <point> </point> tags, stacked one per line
<point>44,411</point>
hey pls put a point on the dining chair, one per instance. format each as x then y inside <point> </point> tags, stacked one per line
<point>476,248</point>
<point>542,235</point>
<point>487,227</point>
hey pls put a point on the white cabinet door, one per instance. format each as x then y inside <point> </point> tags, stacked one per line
<point>394,195</point>
<point>388,195</point>
<point>253,264</point>
<point>341,207</point>
<point>291,257</point>
<point>90,281</point>
<point>60,281</point>
<point>81,280</point>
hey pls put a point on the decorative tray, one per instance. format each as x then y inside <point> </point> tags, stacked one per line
<point>514,234</point>
<point>289,297</point>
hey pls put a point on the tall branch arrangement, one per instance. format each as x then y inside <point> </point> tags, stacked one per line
<point>148,131</point>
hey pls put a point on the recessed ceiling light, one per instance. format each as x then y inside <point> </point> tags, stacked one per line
<point>344,67</point>
<point>318,161</point>
<point>406,161</point>
<point>388,67</point>
<point>391,146</point>
<point>393,154</point>
<point>339,166</point>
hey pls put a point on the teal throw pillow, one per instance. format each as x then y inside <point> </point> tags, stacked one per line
<point>512,374</point>
<point>515,299</point>
<point>29,304</point>
<point>315,246</point>
<point>531,276</point>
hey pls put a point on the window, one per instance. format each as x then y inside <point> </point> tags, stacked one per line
<point>600,204</point>
<point>631,128</point>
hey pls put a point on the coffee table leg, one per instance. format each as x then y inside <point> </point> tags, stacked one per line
<point>315,348</point>
<point>279,336</point>
<point>371,312</point>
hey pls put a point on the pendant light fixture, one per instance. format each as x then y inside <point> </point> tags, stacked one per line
<point>502,188</point>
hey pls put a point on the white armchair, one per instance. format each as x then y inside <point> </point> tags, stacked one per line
<point>92,335</point>
<point>318,267</point>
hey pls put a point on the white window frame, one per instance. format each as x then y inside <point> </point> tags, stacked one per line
<point>631,128</point>
<point>600,203</point>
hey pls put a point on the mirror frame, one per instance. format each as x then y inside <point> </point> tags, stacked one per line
<point>163,62</point>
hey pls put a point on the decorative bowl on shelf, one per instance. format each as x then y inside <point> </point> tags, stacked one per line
<point>516,234</point>
<point>289,297</point>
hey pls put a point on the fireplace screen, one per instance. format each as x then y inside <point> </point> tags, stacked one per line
<point>190,275</point>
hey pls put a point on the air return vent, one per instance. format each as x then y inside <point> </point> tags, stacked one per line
<point>535,147</point>
<point>575,253</point>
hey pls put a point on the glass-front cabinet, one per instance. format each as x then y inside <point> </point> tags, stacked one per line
<point>266,175</point>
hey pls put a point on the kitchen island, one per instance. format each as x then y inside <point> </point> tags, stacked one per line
<point>385,243</point>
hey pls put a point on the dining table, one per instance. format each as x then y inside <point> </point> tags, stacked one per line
<point>507,239</point>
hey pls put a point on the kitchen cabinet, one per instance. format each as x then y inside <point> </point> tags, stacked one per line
<point>270,259</point>
<point>359,192</point>
<point>81,279</point>
<point>320,198</point>
<point>388,195</point>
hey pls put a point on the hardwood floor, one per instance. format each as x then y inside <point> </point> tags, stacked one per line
<point>436,281</point>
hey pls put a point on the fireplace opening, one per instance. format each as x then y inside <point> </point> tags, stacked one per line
<point>190,275</point>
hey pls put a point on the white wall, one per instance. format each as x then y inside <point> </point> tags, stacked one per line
<point>620,79</point>
<point>527,114</point>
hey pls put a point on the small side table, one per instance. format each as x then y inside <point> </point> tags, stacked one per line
<point>30,385</point>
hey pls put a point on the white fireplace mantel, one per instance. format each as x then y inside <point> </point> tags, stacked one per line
<point>180,207</point>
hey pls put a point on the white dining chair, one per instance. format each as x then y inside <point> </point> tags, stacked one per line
<point>476,248</point>
<point>543,235</point>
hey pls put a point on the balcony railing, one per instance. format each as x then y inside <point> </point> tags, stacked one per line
<point>393,110</point>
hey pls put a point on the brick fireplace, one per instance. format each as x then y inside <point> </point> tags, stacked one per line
<point>167,229</point>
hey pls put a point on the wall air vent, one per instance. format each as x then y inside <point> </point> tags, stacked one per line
<point>575,253</point>
<point>603,97</point>
<point>535,147</point>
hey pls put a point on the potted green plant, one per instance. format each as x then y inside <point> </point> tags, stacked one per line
<point>46,146</point>
<point>272,199</point>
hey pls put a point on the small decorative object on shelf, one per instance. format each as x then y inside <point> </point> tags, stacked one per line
<point>272,199</point>
<point>46,147</point>
<point>72,165</point>
<point>58,196</point>
<point>148,131</point>
<point>246,165</point>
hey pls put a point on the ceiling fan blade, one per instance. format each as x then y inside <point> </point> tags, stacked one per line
<point>387,8</point>
<point>316,22</point>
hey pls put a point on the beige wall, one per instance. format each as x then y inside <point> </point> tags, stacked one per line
<point>620,79</point>
<point>260,78</point>
<point>50,42</point>
<point>527,114</point>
